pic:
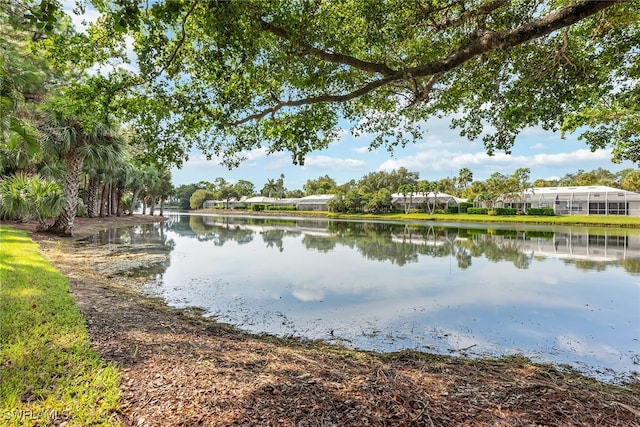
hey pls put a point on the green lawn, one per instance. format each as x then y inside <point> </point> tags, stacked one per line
<point>595,220</point>
<point>49,373</point>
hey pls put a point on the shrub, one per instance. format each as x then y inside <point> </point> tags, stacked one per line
<point>199,196</point>
<point>258,207</point>
<point>464,206</point>
<point>540,211</point>
<point>281,208</point>
<point>23,198</point>
<point>477,211</point>
<point>14,199</point>
<point>502,211</point>
<point>46,200</point>
<point>81,209</point>
<point>452,209</point>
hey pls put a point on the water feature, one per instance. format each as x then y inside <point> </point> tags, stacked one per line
<point>567,295</point>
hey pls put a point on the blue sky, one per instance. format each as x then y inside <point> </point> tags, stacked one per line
<point>442,152</point>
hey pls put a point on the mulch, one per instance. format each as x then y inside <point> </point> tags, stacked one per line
<point>179,369</point>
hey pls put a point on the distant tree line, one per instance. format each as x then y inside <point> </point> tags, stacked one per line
<point>373,191</point>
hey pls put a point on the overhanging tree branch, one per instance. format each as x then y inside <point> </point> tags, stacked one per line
<point>316,100</point>
<point>482,42</point>
<point>183,37</point>
<point>489,40</point>
<point>307,49</point>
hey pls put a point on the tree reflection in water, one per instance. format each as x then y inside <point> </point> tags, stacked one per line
<point>404,243</point>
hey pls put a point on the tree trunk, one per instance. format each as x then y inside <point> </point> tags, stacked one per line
<point>134,200</point>
<point>114,198</point>
<point>92,197</point>
<point>104,201</point>
<point>161,206</point>
<point>144,205</point>
<point>73,161</point>
<point>119,193</point>
<point>152,206</point>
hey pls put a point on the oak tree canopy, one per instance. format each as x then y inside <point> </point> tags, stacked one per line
<point>235,75</point>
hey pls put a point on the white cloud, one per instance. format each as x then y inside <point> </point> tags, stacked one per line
<point>200,160</point>
<point>256,154</point>
<point>572,157</point>
<point>333,163</point>
<point>444,160</point>
<point>361,150</point>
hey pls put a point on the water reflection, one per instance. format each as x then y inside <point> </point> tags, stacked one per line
<point>137,251</point>
<point>403,243</point>
<point>566,295</point>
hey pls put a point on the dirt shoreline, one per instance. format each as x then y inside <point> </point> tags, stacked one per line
<point>179,369</point>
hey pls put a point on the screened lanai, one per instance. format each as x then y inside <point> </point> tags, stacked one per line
<point>316,202</point>
<point>587,200</point>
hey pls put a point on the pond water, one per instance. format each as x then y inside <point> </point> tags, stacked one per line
<point>567,295</point>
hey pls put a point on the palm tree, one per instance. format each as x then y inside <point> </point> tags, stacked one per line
<point>136,180</point>
<point>465,177</point>
<point>68,138</point>
<point>280,185</point>
<point>150,188</point>
<point>269,188</point>
<point>424,187</point>
<point>164,188</point>
<point>102,161</point>
<point>19,140</point>
<point>406,189</point>
<point>121,183</point>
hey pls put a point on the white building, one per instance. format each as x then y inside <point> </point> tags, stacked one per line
<point>587,200</point>
<point>225,204</point>
<point>316,202</point>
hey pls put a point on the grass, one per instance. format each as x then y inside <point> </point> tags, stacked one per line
<point>593,220</point>
<point>49,373</point>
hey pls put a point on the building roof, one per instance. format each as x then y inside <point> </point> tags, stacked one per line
<point>316,198</point>
<point>587,191</point>
<point>259,199</point>
<point>578,189</point>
